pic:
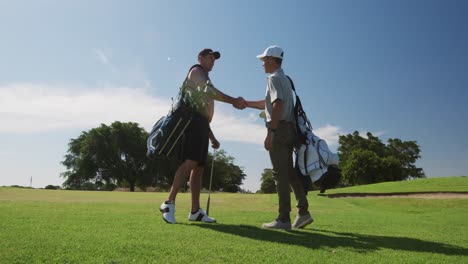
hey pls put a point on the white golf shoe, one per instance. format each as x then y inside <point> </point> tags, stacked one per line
<point>168,211</point>
<point>201,216</point>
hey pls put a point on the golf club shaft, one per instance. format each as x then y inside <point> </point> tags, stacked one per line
<point>209,189</point>
<point>208,205</point>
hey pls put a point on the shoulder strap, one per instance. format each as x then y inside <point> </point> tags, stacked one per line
<point>194,66</point>
<point>182,89</point>
<point>298,110</point>
<point>292,85</point>
<point>197,66</point>
<point>191,68</point>
<point>180,96</point>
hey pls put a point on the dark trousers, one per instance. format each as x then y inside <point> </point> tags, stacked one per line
<point>284,174</point>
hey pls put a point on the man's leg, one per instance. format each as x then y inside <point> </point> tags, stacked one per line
<point>198,214</point>
<point>303,217</point>
<point>180,177</point>
<point>167,208</point>
<point>196,177</point>
<point>279,161</point>
<point>298,189</point>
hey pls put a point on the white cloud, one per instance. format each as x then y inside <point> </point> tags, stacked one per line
<point>30,108</point>
<point>228,127</point>
<point>330,134</point>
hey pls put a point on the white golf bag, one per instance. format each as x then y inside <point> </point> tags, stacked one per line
<point>313,157</point>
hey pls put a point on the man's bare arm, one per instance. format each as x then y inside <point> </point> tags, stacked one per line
<point>260,105</point>
<point>222,97</point>
<point>198,77</point>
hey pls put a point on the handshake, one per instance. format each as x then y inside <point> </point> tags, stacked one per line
<point>239,103</point>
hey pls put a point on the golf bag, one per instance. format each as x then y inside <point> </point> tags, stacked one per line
<point>314,160</point>
<point>167,134</point>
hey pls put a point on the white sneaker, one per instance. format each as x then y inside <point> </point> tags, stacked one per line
<point>278,224</point>
<point>201,216</point>
<point>168,211</point>
<point>302,220</point>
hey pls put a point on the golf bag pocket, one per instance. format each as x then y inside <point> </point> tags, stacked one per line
<point>168,132</point>
<point>314,157</point>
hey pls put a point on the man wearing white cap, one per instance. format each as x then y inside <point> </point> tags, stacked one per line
<point>279,108</point>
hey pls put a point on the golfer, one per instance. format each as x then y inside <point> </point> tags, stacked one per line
<point>199,95</point>
<point>281,133</point>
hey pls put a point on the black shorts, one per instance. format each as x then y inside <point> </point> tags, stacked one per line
<point>196,142</point>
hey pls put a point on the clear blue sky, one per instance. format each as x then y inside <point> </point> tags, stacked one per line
<point>393,68</point>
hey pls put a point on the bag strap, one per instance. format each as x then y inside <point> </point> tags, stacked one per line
<point>292,84</point>
<point>180,96</point>
<point>322,162</point>
<point>298,109</point>
<point>191,68</point>
<point>195,66</point>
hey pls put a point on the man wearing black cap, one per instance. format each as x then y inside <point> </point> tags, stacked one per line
<point>199,94</point>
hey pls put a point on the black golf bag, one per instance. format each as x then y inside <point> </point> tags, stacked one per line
<point>167,135</point>
<point>165,143</point>
<point>168,132</point>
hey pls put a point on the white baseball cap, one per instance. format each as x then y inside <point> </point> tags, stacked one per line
<point>273,51</point>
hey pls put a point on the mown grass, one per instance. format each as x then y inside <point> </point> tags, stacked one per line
<point>47,226</point>
<point>445,184</point>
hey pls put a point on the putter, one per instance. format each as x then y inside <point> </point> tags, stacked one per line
<point>211,178</point>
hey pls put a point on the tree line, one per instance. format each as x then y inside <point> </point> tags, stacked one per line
<point>108,157</point>
<point>114,156</point>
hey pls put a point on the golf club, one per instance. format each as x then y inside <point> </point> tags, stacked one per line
<point>211,178</point>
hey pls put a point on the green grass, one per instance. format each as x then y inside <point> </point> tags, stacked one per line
<point>47,226</point>
<point>445,184</point>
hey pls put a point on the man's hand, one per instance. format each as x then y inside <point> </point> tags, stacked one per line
<point>269,141</point>
<point>240,103</point>
<point>214,143</point>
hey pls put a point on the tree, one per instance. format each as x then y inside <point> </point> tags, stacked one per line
<point>406,152</point>
<point>352,142</point>
<point>368,160</point>
<point>362,167</point>
<point>227,176</point>
<point>268,185</point>
<point>107,156</point>
<point>52,187</point>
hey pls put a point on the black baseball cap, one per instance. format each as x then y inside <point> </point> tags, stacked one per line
<point>205,52</point>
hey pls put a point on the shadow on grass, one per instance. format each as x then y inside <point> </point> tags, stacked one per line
<point>316,239</point>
